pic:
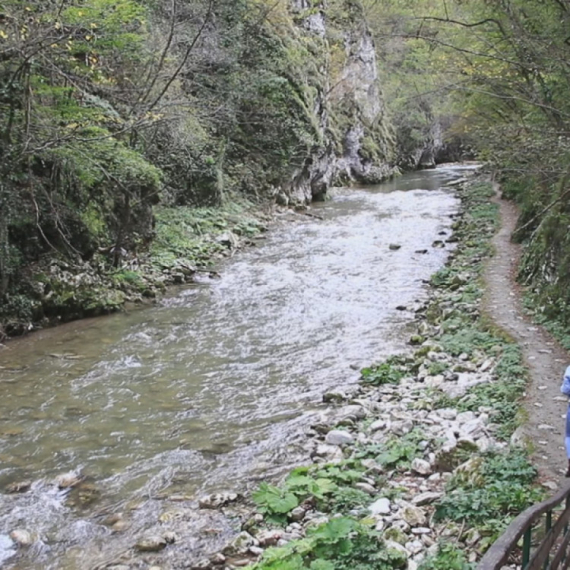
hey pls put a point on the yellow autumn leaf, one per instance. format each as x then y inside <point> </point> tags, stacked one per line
<point>3,34</point>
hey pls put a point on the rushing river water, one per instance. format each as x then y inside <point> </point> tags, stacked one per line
<point>212,387</point>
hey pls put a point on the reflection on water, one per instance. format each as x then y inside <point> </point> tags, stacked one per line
<point>218,378</point>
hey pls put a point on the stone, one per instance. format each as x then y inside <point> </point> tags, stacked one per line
<point>170,537</point>
<point>297,514</point>
<point>68,480</point>
<point>426,498</point>
<point>421,530</point>
<point>366,487</point>
<point>414,547</point>
<point>394,247</point>
<point>151,544</point>
<point>518,438</point>
<point>377,426</point>
<point>380,507</point>
<point>421,466</point>
<point>22,537</point>
<point>217,500</point>
<point>393,545</point>
<point>19,487</point>
<point>218,559</point>
<point>120,525</point>
<point>353,412</point>
<point>268,537</point>
<point>373,466</point>
<point>414,516</point>
<point>484,444</point>
<point>338,437</point>
<point>331,453</point>
<point>240,544</point>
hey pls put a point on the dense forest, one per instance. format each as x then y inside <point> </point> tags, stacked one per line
<point>129,128</point>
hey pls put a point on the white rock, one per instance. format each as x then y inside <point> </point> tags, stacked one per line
<point>421,530</point>
<point>339,437</point>
<point>434,381</point>
<point>448,413</point>
<point>22,537</point>
<point>421,466</point>
<point>484,444</point>
<point>217,500</point>
<point>426,498</point>
<point>464,417</point>
<point>68,480</point>
<point>331,453</point>
<point>268,537</point>
<point>414,516</point>
<point>393,545</point>
<point>367,488</point>
<point>414,547</point>
<point>380,507</point>
<point>377,425</point>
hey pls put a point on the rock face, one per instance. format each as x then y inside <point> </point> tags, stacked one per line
<point>347,109</point>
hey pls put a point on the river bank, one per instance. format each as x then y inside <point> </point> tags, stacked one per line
<point>187,242</point>
<point>421,465</point>
<point>214,385</point>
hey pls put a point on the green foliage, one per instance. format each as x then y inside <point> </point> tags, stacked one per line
<point>389,372</point>
<point>448,557</point>
<point>491,492</point>
<point>340,544</point>
<point>466,340</point>
<point>274,501</point>
<point>397,452</point>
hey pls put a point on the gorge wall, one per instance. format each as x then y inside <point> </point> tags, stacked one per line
<point>135,113</point>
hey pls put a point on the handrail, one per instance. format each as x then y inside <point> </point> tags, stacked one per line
<point>552,550</point>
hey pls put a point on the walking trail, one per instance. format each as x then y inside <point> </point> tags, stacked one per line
<point>545,358</point>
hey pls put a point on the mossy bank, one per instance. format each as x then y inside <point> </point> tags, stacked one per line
<point>418,466</point>
<point>187,241</point>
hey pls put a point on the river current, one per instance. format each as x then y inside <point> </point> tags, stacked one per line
<point>211,388</point>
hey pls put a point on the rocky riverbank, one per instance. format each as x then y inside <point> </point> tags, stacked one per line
<point>418,467</point>
<point>188,242</point>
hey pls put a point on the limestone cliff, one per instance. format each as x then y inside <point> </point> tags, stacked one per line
<point>356,144</point>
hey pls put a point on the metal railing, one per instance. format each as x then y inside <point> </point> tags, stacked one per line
<point>545,532</point>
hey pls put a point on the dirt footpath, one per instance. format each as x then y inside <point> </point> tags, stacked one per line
<point>545,358</point>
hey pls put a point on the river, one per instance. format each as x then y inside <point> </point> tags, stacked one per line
<point>211,388</point>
